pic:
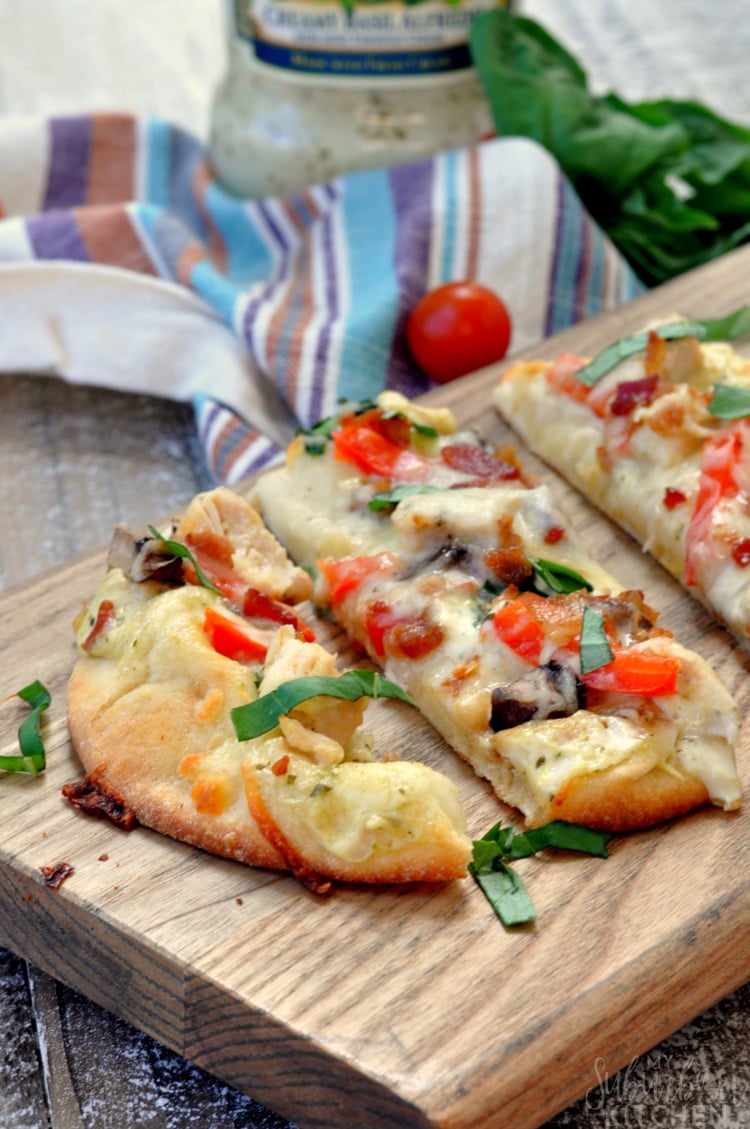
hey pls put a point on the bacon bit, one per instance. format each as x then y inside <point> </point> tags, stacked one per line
<point>105,617</point>
<point>104,858</point>
<point>631,393</point>
<point>259,605</point>
<point>94,797</point>
<point>477,461</point>
<point>413,640</point>
<point>54,876</point>
<point>673,498</point>
<point>741,553</point>
<point>460,674</point>
<point>656,353</point>
<point>506,535</point>
<point>554,534</point>
<point>279,767</point>
<point>511,566</point>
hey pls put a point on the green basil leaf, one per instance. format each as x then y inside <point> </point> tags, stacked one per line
<point>506,893</point>
<point>728,328</point>
<point>595,648</point>
<point>730,401</point>
<point>551,577</point>
<point>564,836</point>
<point>177,549</point>
<point>262,715</point>
<point>33,756</point>
<point>390,498</point>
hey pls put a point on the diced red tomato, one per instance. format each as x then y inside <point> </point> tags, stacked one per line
<point>517,627</point>
<point>232,640</point>
<point>721,463</point>
<point>105,617</point>
<point>636,672</point>
<point>561,375</point>
<point>379,618</point>
<point>377,454</point>
<point>741,553</point>
<point>673,498</point>
<point>346,575</point>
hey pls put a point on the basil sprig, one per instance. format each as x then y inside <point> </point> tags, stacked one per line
<point>262,715</point>
<point>551,577</point>
<point>728,328</point>
<point>177,549</point>
<point>501,885</point>
<point>595,648</point>
<point>389,498</point>
<point>729,401</point>
<point>33,757</point>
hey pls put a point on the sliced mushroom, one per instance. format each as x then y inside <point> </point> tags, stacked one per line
<point>546,691</point>
<point>143,558</point>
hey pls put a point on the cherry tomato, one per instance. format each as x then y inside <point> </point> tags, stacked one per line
<point>458,328</point>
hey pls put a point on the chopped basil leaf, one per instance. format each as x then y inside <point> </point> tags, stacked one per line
<point>33,757</point>
<point>730,401</point>
<point>565,836</point>
<point>179,550</point>
<point>595,648</point>
<point>728,328</point>
<point>551,577</point>
<point>391,498</point>
<point>506,893</point>
<point>501,885</point>
<point>262,715</point>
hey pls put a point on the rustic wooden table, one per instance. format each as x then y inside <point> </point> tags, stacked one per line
<point>76,460</point>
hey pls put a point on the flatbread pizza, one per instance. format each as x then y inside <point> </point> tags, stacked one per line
<point>198,626</point>
<point>455,573</point>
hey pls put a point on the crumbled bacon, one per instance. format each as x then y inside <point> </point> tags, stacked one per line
<point>94,797</point>
<point>413,640</point>
<point>631,393</point>
<point>479,462</point>
<point>510,566</point>
<point>54,876</point>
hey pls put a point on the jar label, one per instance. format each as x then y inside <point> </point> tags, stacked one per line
<point>372,39</point>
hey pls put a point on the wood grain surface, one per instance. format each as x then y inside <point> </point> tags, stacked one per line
<point>394,1007</point>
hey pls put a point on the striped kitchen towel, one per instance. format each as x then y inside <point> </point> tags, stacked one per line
<point>123,263</point>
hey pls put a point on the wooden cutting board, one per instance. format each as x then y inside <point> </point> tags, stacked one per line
<point>395,1007</point>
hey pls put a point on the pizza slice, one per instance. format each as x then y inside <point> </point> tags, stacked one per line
<point>191,634</point>
<point>656,432</point>
<point>458,577</point>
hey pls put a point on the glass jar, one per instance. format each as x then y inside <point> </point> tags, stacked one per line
<point>314,88</point>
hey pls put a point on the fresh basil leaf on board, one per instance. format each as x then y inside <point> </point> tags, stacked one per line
<point>669,181</point>
<point>32,757</point>
<point>501,885</point>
